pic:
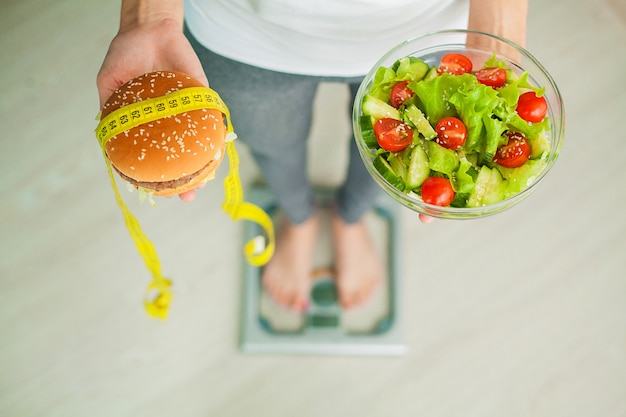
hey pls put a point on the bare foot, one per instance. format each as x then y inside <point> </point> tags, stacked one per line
<point>358,266</point>
<point>287,276</point>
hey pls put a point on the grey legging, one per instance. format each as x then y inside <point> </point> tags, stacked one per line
<point>271,113</point>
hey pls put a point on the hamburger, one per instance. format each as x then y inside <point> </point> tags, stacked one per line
<point>170,155</point>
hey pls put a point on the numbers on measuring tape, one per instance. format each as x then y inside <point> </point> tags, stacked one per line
<point>132,115</point>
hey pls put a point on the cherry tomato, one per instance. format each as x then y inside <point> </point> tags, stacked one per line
<point>515,153</point>
<point>437,191</point>
<point>532,108</point>
<point>455,64</point>
<point>392,134</point>
<point>493,77</point>
<point>400,93</point>
<point>451,133</point>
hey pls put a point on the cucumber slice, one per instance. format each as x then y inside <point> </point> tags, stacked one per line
<point>496,189</point>
<point>410,68</point>
<point>367,131</point>
<point>420,122</point>
<point>539,146</point>
<point>482,181</point>
<point>490,188</point>
<point>431,74</point>
<point>418,169</point>
<point>397,164</point>
<point>518,179</point>
<point>378,108</point>
<point>382,166</point>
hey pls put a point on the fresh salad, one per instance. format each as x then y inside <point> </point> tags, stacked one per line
<point>454,135</point>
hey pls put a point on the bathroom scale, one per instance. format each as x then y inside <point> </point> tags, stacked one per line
<point>374,328</point>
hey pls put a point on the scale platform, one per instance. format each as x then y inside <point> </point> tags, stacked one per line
<point>375,328</point>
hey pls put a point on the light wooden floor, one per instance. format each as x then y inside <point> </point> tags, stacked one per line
<point>521,314</point>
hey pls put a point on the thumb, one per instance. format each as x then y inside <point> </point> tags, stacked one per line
<point>199,74</point>
<point>187,61</point>
<point>426,219</point>
<point>192,66</point>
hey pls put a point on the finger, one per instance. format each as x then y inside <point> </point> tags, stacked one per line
<point>187,196</point>
<point>426,219</point>
<point>189,63</point>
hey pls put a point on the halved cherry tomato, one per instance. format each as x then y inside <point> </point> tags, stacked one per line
<point>451,133</point>
<point>515,153</point>
<point>493,77</point>
<point>455,64</point>
<point>532,108</point>
<point>392,134</point>
<point>437,191</point>
<point>400,93</point>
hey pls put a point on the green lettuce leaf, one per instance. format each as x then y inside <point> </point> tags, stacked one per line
<point>494,62</point>
<point>383,82</point>
<point>410,69</point>
<point>464,180</point>
<point>515,86</point>
<point>434,94</point>
<point>494,138</point>
<point>475,103</point>
<point>530,130</point>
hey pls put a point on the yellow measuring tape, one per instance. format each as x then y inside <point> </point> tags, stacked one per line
<point>257,252</point>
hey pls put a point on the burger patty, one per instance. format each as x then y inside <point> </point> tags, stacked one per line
<point>161,185</point>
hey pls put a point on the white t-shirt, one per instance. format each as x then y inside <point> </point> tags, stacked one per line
<point>316,37</point>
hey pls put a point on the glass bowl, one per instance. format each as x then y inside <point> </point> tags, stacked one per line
<point>430,48</point>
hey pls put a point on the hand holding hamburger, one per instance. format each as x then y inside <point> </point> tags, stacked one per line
<point>149,39</point>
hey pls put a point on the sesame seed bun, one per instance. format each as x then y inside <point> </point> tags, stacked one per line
<point>171,155</point>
